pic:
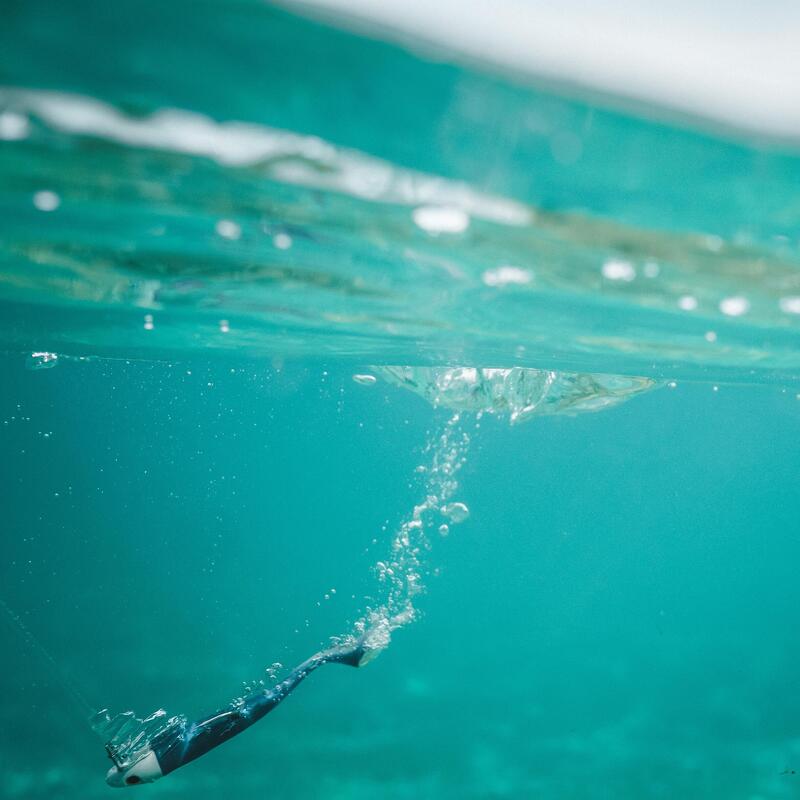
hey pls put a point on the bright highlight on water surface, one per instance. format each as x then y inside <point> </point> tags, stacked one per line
<point>415,273</point>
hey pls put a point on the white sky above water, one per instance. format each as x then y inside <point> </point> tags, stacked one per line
<point>736,63</point>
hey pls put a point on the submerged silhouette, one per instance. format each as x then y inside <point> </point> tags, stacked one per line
<point>178,745</point>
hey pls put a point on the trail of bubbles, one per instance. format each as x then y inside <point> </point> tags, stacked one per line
<point>403,571</point>
<point>515,392</point>
<point>400,575</point>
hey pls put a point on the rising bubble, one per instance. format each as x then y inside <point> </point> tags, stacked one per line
<point>734,306</point>
<point>41,360</point>
<point>616,269</point>
<point>13,126</point>
<point>228,229</point>
<point>282,241</point>
<point>455,512</point>
<point>45,200</point>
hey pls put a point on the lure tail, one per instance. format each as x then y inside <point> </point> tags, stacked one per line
<point>354,655</point>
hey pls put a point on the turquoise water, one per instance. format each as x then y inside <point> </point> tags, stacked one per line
<point>252,270</point>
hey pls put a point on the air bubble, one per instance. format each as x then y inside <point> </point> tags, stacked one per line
<point>41,360</point>
<point>616,269</point>
<point>455,512</point>
<point>228,229</point>
<point>651,269</point>
<point>790,305</point>
<point>46,200</point>
<point>13,126</point>
<point>282,241</point>
<point>734,306</point>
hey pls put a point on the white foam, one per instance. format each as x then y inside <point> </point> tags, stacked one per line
<point>790,305</point>
<point>506,275</point>
<point>289,157</point>
<point>41,360</point>
<point>441,219</point>
<point>617,269</point>
<point>734,306</point>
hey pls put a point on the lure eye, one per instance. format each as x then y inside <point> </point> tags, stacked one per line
<point>133,779</point>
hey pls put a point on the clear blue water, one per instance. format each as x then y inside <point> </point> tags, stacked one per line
<point>215,216</point>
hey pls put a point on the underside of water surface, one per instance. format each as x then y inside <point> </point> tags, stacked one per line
<point>313,327</point>
<point>242,179</point>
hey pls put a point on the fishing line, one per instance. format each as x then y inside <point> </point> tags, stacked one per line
<point>86,709</point>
